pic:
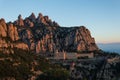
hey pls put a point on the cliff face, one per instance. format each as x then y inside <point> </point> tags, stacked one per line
<point>41,34</point>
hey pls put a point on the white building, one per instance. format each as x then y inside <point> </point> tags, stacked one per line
<point>64,55</point>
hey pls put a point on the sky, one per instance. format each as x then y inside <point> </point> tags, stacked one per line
<point>101,17</point>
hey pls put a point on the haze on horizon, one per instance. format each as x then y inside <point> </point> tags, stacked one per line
<point>100,17</point>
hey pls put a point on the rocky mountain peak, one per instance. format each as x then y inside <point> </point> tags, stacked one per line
<point>40,15</point>
<point>2,20</point>
<point>43,35</point>
<point>46,18</point>
<point>3,28</point>
<point>19,17</point>
<point>12,32</point>
<point>32,17</point>
<point>19,22</point>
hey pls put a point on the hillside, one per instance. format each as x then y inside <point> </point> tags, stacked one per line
<point>23,65</point>
<point>42,35</point>
<point>26,43</point>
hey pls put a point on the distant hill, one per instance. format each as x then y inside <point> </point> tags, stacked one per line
<point>110,47</point>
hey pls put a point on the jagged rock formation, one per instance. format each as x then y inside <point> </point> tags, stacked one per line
<point>41,34</point>
<point>12,32</point>
<point>3,28</point>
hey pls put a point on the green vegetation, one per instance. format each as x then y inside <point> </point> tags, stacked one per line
<point>16,65</point>
<point>54,74</point>
<point>19,66</point>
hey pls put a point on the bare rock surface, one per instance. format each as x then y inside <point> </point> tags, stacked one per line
<point>41,34</point>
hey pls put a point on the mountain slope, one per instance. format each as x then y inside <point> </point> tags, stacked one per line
<point>43,35</point>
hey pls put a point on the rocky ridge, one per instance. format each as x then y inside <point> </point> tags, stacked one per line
<point>43,35</point>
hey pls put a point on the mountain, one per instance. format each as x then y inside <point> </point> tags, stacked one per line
<point>42,35</point>
<point>19,40</point>
<point>110,47</point>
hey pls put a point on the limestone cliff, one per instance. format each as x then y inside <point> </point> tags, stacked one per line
<point>42,35</point>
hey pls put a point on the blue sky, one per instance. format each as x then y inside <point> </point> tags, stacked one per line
<point>101,17</point>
